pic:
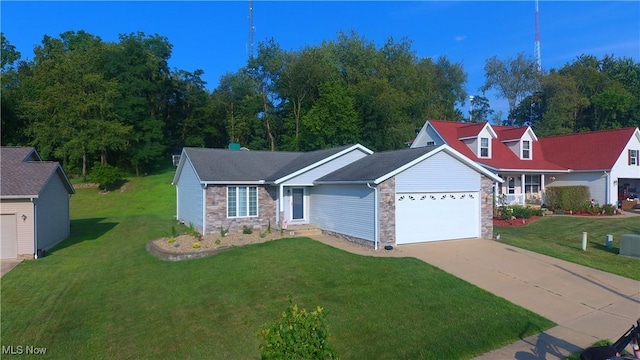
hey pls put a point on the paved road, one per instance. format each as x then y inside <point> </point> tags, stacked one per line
<point>587,304</point>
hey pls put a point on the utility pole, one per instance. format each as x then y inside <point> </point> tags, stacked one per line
<point>252,30</point>
<point>536,48</point>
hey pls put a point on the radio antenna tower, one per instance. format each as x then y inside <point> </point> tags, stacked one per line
<point>537,43</point>
<point>251,30</point>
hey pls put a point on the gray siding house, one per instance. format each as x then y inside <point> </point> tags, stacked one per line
<point>375,199</point>
<point>34,203</point>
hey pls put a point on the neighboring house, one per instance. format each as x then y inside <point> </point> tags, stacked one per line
<point>386,198</point>
<point>607,162</point>
<point>34,203</point>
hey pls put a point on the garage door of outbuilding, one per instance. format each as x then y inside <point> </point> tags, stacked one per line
<point>8,237</point>
<point>433,216</point>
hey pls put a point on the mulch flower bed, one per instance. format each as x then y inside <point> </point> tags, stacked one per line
<point>515,222</point>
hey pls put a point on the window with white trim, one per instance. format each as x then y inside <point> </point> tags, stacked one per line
<point>526,149</point>
<point>633,157</point>
<point>484,147</point>
<point>242,201</point>
<point>532,184</point>
<point>511,185</point>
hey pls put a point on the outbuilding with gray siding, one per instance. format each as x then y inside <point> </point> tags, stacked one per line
<point>34,204</point>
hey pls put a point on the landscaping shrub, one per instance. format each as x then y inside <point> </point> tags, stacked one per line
<point>521,212</point>
<point>518,211</point>
<point>506,213</point>
<point>609,209</point>
<point>298,334</point>
<point>567,197</point>
<point>247,230</point>
<point>105,175</point>
<point>194,232</point>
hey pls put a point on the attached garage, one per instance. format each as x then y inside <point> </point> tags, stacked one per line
<point>422,194</point>
<point>422,217</point>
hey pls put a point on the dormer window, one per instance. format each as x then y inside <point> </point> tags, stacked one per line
<point>484,147</point>
<point>526,149</point>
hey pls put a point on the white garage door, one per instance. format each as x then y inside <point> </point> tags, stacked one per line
<point>424,217</point>
<point>8,237</point>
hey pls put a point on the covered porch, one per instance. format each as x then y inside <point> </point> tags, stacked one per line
<point>522,188</point>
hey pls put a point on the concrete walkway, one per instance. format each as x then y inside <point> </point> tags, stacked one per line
<point>588,305</point>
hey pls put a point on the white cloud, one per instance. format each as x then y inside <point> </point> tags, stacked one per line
<point>460,38</point>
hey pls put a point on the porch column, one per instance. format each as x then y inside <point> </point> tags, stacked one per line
<point>280,204</point>
<point>522,189</point>
<point>542,195</point>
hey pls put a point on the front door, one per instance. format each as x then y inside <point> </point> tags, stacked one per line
<point>297,203</point>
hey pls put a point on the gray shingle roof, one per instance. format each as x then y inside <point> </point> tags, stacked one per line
<point>20,176</point>
<point>375,165</point>
<point>220,165</point>
<point>305,160</point>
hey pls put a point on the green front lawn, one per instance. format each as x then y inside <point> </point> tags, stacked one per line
<point>101,295</point>
<point>561,237</point>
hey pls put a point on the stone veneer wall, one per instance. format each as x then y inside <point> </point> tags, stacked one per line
<point>486,208</point>
<point>216,211</point>
<point>387,212</point>
<point>353,239</point>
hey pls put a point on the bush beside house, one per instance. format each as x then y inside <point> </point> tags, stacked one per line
<point>567,198</point>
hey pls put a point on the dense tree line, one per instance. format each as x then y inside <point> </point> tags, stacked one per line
<point>82,100</point>
<point>588,94</point>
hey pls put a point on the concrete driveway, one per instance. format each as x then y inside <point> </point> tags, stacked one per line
<point>7,265</point>
<point>588,305</point>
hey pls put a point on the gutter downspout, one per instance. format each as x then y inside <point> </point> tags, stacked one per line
<point>607,196</point>
<point>280,204</point>
<point>204,210</point>
<point>376,231</point>
<point>35,231</point>
<point>177,202</point>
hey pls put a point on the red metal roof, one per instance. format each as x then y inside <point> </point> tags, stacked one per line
<point>509,132</point>
<point>470,130</point>
<point>596,150</point>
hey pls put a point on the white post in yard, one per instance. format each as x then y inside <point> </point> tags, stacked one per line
<point>584,241</point>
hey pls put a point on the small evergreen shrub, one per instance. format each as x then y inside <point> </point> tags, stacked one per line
<point>298,334</point>
<point>247,230</point>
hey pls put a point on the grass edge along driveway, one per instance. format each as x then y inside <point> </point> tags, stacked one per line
<point>101,295</point>
<point>561,237</point>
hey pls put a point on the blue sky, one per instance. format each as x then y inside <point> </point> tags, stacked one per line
<point>213,35</point>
